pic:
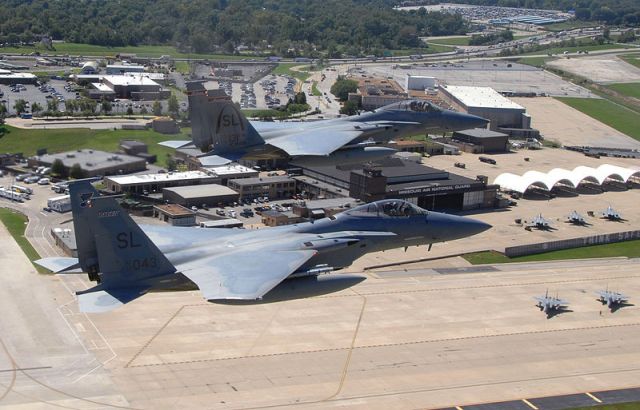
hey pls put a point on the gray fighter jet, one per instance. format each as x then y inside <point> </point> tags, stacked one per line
<point>128,260</point>
<point>550,305</point>
<point>540,222</point>
<point>576,219</point>
<point>611,214</point>
<point>223,134</point>
<point>611,299</point>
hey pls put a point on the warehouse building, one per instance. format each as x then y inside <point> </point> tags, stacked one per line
<point>173,214</point>
<point>198,195</point>
<point>9,78</point>
<point>120,69</point>
<point>136,88</point>
<point>139,184</point>
<point>480,140</point>
<point>90,67</point>
<point>486,102</point>
<point>92,162</point>
<point>272,187</point>
<point>420,83</point>
<point>427,187</point>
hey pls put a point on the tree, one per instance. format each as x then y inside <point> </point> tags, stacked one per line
<point>171,163</point>
<point>300,98</point>
<point>3,110</point>
<point>156,108</point>
<point>70,106</point>
<point>144,110</point>
<point>57,168</point>
<point>105,106</point>
<point>349,108</point>
<point>342,87</point>
<point>20,106</point>
<point>52,105</point>
<point>36,108</point>
<point>174,107</point>
<point>76,171</point>
<point>129,111</point>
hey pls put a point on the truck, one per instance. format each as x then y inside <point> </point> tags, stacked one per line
<point>60,203</point>
<point>487,160</point>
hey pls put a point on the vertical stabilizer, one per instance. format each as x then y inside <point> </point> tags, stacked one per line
<point>81,193</point>
<point>217,124</point>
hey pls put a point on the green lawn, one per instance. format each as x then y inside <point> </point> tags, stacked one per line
<point>629,249</point>
<point>450,41</point>
<point>628,89</point>
<point>614,115</point>
<point>314,89</point>
<point>534,61</point>
<point>285,69</point>
<point>16,224</point>
<point>621,406</point>
<point>182,67</point>
<point>93,50</point>
<point>632,59</point>
<point>561,50</point>
<point>432,49</point>
<point>568,25</point>
<point>28,141</point>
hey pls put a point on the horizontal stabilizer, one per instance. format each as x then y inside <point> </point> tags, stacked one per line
<point>175,143</point>
<point>59,265</point>
<point>96,300</point>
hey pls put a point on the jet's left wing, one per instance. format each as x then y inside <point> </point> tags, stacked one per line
<point>244,274</point>
<point>321,141</point>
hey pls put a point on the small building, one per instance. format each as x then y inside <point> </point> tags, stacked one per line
<point>157,182</point>
<point>65,239</point>
<point>131,87</point>
<point>121,69</point>
<point>420,83</point>
<point>273,187</point>
<point>90,67</point>
<point>176,215</point>
<point>18,78</point>
<point>133,147</point>
<point>92,162</point>
<point>275,218</point>
<point>222,223</point>
<point>198,195</point>
<point>165,125</point>
<point>487,140</point>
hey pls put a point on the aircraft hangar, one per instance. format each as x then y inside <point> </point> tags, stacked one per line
<point>429,188</point>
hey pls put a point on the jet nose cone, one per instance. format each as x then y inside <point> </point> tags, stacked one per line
<point>474,227</point>
<point>455,121</point>
<point>451,227</point>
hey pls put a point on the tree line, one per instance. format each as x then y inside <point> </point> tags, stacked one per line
<point>307,27</point>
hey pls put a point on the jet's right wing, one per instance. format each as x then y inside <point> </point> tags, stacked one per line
<point>244,274</point>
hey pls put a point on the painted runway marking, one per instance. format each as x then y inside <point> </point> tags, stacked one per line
<point>593,397</point>
<point>528,403</point>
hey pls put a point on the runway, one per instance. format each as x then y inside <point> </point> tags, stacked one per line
<point>428,338</point>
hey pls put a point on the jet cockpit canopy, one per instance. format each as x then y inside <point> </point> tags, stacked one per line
<point>389,207</point>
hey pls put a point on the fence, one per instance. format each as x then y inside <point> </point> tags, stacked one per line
<point>530,249</point>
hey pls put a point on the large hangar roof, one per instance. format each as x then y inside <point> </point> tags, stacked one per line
<point>546,181</point>
<point>484,97</point>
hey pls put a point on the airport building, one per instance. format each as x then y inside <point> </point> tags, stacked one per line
<point>175,215</point>
<point>486,102</point>
<point>93,162</point>
<point>480,140</point>
<point>420,83</point>
<point>139,184</point>
<point>198,195</point>
<point>427,187</point>
<point>9,78</point>
<point>374,93</point>
<point>120,69</point>
<point>272,187</point>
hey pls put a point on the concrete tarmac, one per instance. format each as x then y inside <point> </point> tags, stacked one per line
<point>424,338</point>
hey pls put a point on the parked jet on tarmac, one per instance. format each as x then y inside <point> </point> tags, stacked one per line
<point>223,134</point>
<point>576,219</point>
<point>611,214</point>
<point>128,260</point>
<point>550,305</point>
<point>539,222</point>
<point>611,299</point>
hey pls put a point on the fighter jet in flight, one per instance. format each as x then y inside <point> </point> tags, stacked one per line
<point>128,260</point>
<point>576,219</point>
<point>550,305</point>
<point>611,299</point>
<point>223,134</point>
<point>611,214</point>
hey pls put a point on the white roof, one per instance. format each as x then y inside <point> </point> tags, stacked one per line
<point>151,178</point>
<point>485,97</point>
<point>128,80</point>
<point>546,181</point>
<point>231,169</point>
<point>18,75</point>
<point>201,191</point>
<point>152,76</point>
<point>102,87</point>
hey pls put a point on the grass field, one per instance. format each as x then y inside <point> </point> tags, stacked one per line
<point>182,67</point>
<point>614,115</point>
<point>630,249</point>
<point>432,49</point>
<point>28,141</point>
<point>568,25</point>
<point>285,69</point>
<point>534,61</point>
<point>314,89</point>
<point>632,59</point>
<point>621,406</point>
<point>93,50</point>
<point>16,224</point>
<point>628,89</point>
<point>450,41</point>
<point>561,50</point>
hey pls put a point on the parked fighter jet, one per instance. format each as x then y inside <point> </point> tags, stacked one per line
<point>576,219</point>
<point>539,222</point>
<point>611,214</point>
<point>223,134</point>
<point>550,305</point>
<point>128,260</point>
<point>611,299</point>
